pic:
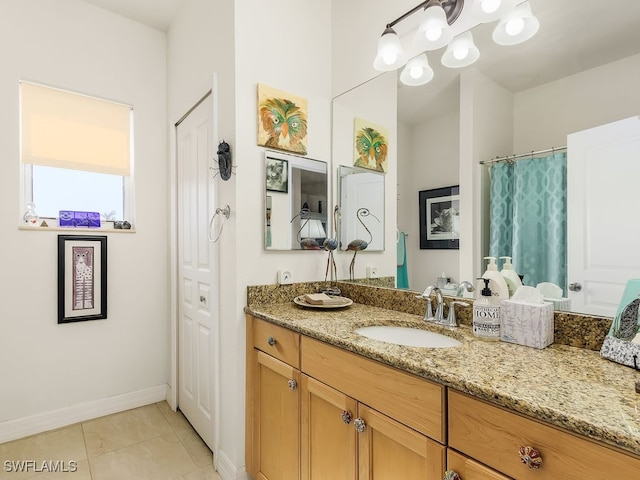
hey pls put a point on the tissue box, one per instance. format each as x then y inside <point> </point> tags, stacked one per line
<point>528,324</point>
<point>561,304</point>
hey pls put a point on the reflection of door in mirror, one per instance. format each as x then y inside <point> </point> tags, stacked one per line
<point>295,202</point>
<point>361,188</point>
<point>602,231</point>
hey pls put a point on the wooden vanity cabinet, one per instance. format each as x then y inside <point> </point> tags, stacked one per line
<point>273,402</point>
<point>493,436</point>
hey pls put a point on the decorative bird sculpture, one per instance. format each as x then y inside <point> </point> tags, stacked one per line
<point>359,244</point>
<point>330,244</point>
<point>306,243</point>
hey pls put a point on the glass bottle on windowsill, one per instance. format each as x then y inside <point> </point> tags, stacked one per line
<point>31,217</point>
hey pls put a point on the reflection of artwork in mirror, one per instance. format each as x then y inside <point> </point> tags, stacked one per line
<point>282,120</point>
<point>277,175</point>
<point>371,145</point>
<point>440,218</point>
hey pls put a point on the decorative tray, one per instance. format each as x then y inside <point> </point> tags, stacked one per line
<point>303,303</point>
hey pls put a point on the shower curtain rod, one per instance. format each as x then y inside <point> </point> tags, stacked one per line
<point>522,155</point>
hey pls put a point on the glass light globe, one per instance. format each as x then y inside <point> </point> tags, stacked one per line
<point>433,34</point>
<point>490,6</point>
<point>514,26</point>
<point>460,53</point>
<point>389,57</point>
<point>415,72</point>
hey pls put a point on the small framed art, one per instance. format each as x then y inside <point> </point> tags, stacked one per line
<point>440,218</point>
<point>82,278</point>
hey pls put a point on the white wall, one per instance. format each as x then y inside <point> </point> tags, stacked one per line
<point>375,102</point>
<point>47,367</point>
<point>289,51</point>
<point>545,115</point>
<point>432,162</point>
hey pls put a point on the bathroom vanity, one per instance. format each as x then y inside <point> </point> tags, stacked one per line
<point>324,402</point>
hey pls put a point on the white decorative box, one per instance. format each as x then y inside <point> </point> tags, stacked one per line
<point>528,324</point>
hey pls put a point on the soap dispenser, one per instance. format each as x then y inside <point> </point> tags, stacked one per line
<point>511,278</point>
<point>497,283</point>
<point>486,314</point>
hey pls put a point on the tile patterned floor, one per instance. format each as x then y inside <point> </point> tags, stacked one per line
<point>146,443</point>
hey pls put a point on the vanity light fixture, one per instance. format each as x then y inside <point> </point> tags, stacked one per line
<point>461,52</point>
<point>517,24</point>
<point>417,71</point>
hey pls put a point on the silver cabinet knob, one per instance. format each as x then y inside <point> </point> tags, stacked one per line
<point>575,287</point>
<point>271,341</point>
<point>359,424</point>
<point>346,416</point>
<point>292,384</point>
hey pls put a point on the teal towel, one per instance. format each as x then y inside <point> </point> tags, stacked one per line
<point>401,250</point>
<point>402,277</point>
<point>631,293</point>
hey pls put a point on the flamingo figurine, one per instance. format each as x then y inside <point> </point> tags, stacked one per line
<point>305,243</point>
<point>359,244</point>
<point>330,244</point>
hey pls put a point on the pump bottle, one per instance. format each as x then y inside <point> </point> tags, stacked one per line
<point>497,283</point>
<point>486,315</point>
<point>510,276</point>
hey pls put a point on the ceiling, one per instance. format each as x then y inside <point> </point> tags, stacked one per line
<point>154,13</point>
<point>574,35</point>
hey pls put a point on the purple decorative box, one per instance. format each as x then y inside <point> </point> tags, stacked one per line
<point>69,218</point>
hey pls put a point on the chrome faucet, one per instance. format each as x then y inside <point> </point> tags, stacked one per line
<point>451,317</point>
<point>430,316</point>
<point>464,286</point>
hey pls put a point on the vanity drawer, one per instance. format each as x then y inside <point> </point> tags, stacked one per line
<point>494,436</point>
<point>277,341</point>
<point>411,400</point>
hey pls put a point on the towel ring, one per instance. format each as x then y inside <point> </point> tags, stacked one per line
<point>226,213</point>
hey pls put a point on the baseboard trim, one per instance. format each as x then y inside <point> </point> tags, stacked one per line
<point>227,470</point>
<point>42,422</point>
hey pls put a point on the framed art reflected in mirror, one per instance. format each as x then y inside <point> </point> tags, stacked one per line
<point>440,218</point>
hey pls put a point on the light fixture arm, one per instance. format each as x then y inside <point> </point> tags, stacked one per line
<point>452,14</point>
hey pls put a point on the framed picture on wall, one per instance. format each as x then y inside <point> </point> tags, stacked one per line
<point>277,175</point>
<point>440,218</point>
<point>82,278</point>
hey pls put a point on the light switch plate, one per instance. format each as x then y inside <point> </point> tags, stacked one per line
<point>285,277</point>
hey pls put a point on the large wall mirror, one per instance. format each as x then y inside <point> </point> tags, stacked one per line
<point>361,193</point>
<point>549,93</point>
<point>295,209</point>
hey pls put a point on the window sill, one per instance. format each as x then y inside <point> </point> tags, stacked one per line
<point>108,229</point>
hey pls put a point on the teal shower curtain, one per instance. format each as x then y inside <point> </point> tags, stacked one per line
<point>528,209</point>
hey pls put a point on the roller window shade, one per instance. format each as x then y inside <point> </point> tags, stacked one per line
<point>67,130</point>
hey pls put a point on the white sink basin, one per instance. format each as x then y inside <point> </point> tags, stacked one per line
<point>412,337</point>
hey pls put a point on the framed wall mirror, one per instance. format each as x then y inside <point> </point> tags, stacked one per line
<point>361,194</point>
<point>296,194</point>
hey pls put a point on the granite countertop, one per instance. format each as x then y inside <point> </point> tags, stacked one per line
<point>573,388</point>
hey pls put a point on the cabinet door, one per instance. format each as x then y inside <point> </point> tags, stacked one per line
<point>328,436</point>
<point>469,469</point>
<point>388,450</point>
<point>276,419</point>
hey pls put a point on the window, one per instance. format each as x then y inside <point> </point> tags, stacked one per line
<point>75,153</point>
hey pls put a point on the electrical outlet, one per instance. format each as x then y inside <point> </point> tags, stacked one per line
<point>285,277</point>
<point>372,272</point>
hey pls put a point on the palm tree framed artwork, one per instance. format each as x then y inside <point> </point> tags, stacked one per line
<point>371,145</point>
<point>282,120</point>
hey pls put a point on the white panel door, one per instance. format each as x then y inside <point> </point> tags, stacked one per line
<point>603,173</point>
<point>197,272</point>
<point>363,190</point>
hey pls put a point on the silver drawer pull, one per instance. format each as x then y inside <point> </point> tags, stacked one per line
<point>271,341</point>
